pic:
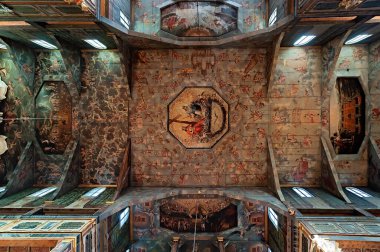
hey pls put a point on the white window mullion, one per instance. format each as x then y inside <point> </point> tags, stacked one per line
<point>358,192</point>
<point>302,192</point>
<point>273,217</point>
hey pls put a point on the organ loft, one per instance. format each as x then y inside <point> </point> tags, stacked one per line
<point>190,126</point>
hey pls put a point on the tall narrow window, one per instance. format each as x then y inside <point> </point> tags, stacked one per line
<point>358,192</point>
<point>273,217</point>
<point>273,17</point>
<point>123,217</point>
<point>43,192</point>
<point>95,192</point>
<point>302,192</point>
<point>124,20</point>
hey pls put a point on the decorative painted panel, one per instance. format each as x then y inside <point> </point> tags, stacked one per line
<point>55,66</point>
<point>251,16</point>
<point>353,62</point>
<point>199,19</point>
<point>204,215</point>
<point>156,222</point>
<point>54,111</point>
<point>347,116</point>
<point>198,117</point>
<point>343,227</point>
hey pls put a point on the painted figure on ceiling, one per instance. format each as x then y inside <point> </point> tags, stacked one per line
<point>205,118</point>
<point>300,171</point>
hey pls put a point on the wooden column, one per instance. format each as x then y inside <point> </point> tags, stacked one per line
<point>273,61</point>
<point>175,244</point>
<point>220,243</point>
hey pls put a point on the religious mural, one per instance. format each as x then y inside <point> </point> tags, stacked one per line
<point>347,118</point>
<point>203,215</point>
<point>156,222</point>
<point>55,66</point>
<point>217,19</point>
<point>353,61</point>
<point>54,113</point>
<point>198,117</point>
<point>199,19</point>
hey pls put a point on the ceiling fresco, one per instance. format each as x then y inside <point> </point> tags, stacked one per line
<point>54,108</point>
<point>203,215</point>
<point>198,117</point>
<point>347,118</point>
<point>241,223</point>
<point>199,19</point>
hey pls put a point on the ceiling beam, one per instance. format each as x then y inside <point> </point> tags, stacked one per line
<point>274,182</point>
<point>329,175</point>
<point>11,2</point>
<point>273,61</point>
<point>327,20</point>
<point>123,178</point>
<point>125,56</point>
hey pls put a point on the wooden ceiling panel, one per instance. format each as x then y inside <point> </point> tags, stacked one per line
<point>316,8</point>
<point>43,10</point>
<point>71,35</point>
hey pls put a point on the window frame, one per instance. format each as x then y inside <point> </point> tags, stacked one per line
<point>302,192</point>
<point>358,192</point>
<point>272,18</point>
<point>124,20</point>
<point>124,216</point>
<point>43,192</point>
<point>273,217</point>
<point>95,192</point>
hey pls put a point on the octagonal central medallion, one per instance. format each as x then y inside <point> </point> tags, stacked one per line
<point>198,117</point>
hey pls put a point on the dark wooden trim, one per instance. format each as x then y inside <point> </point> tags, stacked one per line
<point>122,180</point>
<point>272,172</point>
<point>273,61</point>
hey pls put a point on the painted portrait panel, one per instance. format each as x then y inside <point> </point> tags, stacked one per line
<point>206,215</point>
<point>198,117</point>
<point>54,114</point>
<point>199,19</point>
<point>347,117</point>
